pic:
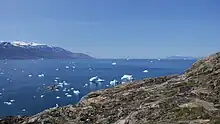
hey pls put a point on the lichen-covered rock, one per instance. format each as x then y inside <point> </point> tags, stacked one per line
<point>191,98</point>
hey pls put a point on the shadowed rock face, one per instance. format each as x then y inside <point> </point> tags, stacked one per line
<point>191,98</point>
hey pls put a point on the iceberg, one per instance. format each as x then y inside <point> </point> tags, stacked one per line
<point>145,71</point>
<point>57,97</point>
<point>76,92</point>
<point>93,78</point>
<point>7,103</point>
<point>114,63</point>
<point>127,77</point>
<point>100,80</point>
<point>113,82</point>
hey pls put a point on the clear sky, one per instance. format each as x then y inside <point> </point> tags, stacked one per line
<point>116,28</point>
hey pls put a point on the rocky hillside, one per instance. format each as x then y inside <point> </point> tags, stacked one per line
<point>191,98</point>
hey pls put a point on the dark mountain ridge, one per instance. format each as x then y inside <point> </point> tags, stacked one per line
<point>23,50</point>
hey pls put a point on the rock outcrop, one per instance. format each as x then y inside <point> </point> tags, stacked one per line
<point>190,98</point>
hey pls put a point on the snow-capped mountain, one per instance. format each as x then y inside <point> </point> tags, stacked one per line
<point>31,50</point>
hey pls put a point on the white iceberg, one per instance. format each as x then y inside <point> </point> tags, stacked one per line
<point>0,94</point>
<point>57,78</point>
<point>72,88</point>
<point>85,85</point>
<point>68,95</point>
<point>114,63</point>
<point>64,90</point>
<point>113,82</point>
<point>57,97</point>
<point>29,75</point>
<point>57,69</point>
<point>57,105</point>
<point>127,77</point>
<point>12,100</point>
<point>7,103</point>
<point>100,80</point>
<point>41,75</point>
<point>23,110</point>
<point>145,71</point>
<point>93,78</point>
<point>76,92</point>
<point>1,73</point>
<point>67,67</point>
<point>42,96</point>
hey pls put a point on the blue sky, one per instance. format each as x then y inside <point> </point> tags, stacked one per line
<point>116,28</point>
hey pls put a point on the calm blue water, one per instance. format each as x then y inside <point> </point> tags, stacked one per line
<point>15,83</point>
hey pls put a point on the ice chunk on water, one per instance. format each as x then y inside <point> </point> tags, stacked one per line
<point>57,78</point>
<point>127,77</point>
<point>7,103</point>
<point>29,75</point>
<point>72,88</point>
<point>85,85</point>
<point>67,67</point>
<point>64,90</point>
<point>114,63</point>
<point>68,95</point>
<point>42,96</point>
<point>145,71</point>
<point>57,105</point>
<point>41,75</point>
<point>23,110</point>
<point>0,94</point>
<point>1,73</point>
<point>100,80</point>
<point>76,92</point>
<point>57,69</point>
<point>113,82</point>
<point>12,100</point>
<point>73,67</point>
<point>93,78</point>
<point>57,97</point>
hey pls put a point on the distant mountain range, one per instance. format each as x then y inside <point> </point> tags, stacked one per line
<point>181,58</point>
<point>25,50</point>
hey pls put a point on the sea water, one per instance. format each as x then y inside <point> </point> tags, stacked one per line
<point>23,82</point>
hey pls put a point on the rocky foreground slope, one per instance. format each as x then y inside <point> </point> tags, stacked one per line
<point>191,98</point>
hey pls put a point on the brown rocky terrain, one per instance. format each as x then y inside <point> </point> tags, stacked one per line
<point>191,98</point>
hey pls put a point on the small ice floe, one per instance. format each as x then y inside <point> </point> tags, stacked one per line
<point>114,63</point>
<point>85,85</point>
<point>158,59</point>
<point>22,71</point>
<point>57,69</point>
<point>127,77</point>
<point>12,100</point>
<point>93,78</point>
<point>64,90</point>
<point>57,78</point>
<point>57,105</point>
<point>113,82</point>
<point>34,96</point>
<point>68,90</point>
<point>67,67</point>
<point>3,89</point>
<point>68,95</point>
<point>23,110</point>
<point>14,69</point>
<point>1,73</point>
<point>73,67</point>
<point>60,85</point>
<point>57,90</point>
<point>107,85</point>
<point>100,80</point>
<point>72,88</point>
<point>76,92</point>
<point>151,61</point>
<point>7,79</point>
<point>41,75</point>
<point>42,96</point>
<point>29,75</point>
<point>57,97</point>
<point>145,71</point>
<point>7,103</point>
<point>65,84</point>
<point>90,68</point>
<point>0,94</point>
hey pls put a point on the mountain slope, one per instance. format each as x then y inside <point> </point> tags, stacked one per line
<point>23,50</point>
<point>190,98</point>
